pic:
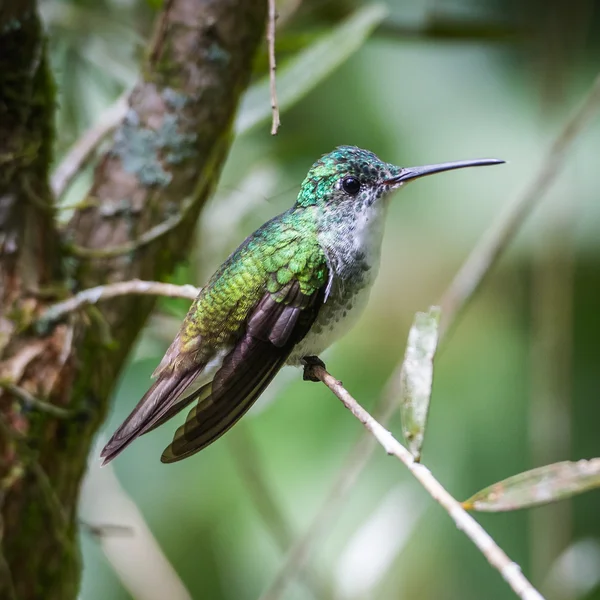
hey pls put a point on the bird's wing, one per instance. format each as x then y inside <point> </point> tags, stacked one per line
<point>279,321</point>
<point>164,394</point>
<point>244,322</point>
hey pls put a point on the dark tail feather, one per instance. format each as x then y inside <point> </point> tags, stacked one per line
<point>211,418</point>
<point>246,371</point>
<point>158,402</point>
<point>199,394</point>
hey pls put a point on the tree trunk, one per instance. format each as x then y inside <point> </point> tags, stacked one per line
<point>148,191</point>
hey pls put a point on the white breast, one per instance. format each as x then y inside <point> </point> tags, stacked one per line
<point>353,253</point>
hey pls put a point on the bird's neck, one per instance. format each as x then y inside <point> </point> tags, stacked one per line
<point>351,237</point>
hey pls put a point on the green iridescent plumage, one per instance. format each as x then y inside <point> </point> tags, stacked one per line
<point>283,249</point>
<point>290,290</point>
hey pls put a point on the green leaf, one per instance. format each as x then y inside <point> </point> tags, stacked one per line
<point>538,486</point>
<point>304,72</point>
<point>416,378</point>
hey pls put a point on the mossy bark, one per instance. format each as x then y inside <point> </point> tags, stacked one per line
<point>162,166</point>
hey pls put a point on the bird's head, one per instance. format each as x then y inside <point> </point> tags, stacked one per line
<point>352,175</point>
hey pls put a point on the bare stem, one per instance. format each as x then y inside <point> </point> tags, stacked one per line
<point>510,571</point>
<point>486,253</point>
<point>82,151</point>
<point>145,239</point>
<point>113,290</point>
<point>31,401</point>
<point>453,300</point>
<point>456,297</point>
<point>273,66</point>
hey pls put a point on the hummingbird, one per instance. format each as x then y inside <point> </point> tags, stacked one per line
<point>291,289</point>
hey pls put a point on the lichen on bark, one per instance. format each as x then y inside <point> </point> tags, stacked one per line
<point>165,160</point>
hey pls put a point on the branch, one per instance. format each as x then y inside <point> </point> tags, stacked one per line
<point>510,571</point>
<point>113,290</point>
<point>148,237</point>
<point>362,450</point>
<point>28,240</point>
<point>486,253</point>
<point>82,151</point>
<point>148,190</point>
<point>360,454</point>
<point>30,401</point>
<point>242,446</point>
<point>273,66</point>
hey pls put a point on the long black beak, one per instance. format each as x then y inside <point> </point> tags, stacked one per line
<point>410,173</point>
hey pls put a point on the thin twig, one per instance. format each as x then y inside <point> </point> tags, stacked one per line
<point>30,400</point>
<point>113,290</point>
<point>485,254</point>
<point>551,362</point>
<point>356,460</point>
<point>82,151</point>
<point>273,66</point>
<point>146,238</point>
<point>106,530</point>
<point>508,226</point>
<point>510,571</point>
<point>451,303</point>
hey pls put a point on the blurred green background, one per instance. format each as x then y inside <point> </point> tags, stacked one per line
<point>516,384</point>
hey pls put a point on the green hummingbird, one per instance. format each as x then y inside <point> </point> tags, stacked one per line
<point>291,289</point>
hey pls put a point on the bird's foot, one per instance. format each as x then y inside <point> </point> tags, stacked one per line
<point>310,362</point>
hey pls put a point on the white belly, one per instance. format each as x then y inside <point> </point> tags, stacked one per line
<point>333,322</point>
<point>356,261</point>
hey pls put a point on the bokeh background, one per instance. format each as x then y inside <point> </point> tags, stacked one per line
<point>516,383</point>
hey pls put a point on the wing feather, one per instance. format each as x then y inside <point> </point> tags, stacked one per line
<point>238,333</point>
<point>276,325</point>
<point>159,400</point>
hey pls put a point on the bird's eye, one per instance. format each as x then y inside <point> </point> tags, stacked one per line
<point>351,185</point>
